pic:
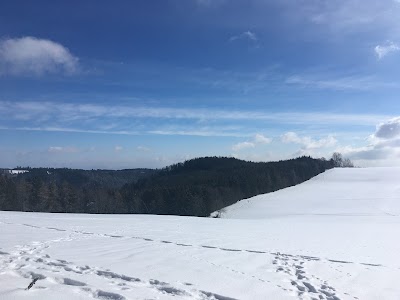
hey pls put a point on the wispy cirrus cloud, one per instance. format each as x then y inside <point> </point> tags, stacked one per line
<point>33,56</point>
<point>71,113</point>
<point>147,120</point>
<point>69,129</point>
<point>210,3</point>
<point>360,83</point>
<point>204,133</point>
<point>352,16</point>
<point>246,35</point>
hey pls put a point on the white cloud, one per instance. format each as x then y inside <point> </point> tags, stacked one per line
<point>256,140</point>
<point>118,148</point>
<point>291,137</point>
<point>143,149</point>
<point>261,139</point>
<point>58,149</point>
<point>373,154</point>
<point>383,50</point>
<point>307,142</point>
<point>388,130</point>
<point>247,35</point>
<point>384,146</point>
<point>243,145</point>
<point>29,55</point>
<point>322,147</point>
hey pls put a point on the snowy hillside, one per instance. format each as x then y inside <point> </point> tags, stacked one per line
<point>341,192</point>
<point>333,237</point>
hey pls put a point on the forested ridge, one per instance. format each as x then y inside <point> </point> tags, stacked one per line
<point>195,187</point>
<point>66,190</point>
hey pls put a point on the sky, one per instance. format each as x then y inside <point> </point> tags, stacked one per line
<point>147,83</point>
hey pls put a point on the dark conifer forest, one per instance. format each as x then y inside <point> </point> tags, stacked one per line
<point>195,187</point>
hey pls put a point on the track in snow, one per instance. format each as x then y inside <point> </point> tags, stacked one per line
<point>306,286</point>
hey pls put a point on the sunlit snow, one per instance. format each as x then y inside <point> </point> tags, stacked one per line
<point>333,237</point>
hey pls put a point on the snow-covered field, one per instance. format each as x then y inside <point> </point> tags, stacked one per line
<point>333,237</point>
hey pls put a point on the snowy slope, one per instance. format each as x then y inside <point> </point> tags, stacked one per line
<point>333,237</point>
<point>341,192</point>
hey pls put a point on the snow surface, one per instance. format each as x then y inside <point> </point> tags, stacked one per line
<point>333,237</point>
<point>18,171</point>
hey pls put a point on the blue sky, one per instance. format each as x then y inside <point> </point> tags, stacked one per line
<point>128,84</point>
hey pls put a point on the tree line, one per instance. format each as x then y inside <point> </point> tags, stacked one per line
<point>195,187</point>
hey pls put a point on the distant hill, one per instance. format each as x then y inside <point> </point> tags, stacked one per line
<point>196,187</point>
<point>80,178</point>
<point>200,186</point>
<point>66,190</point>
